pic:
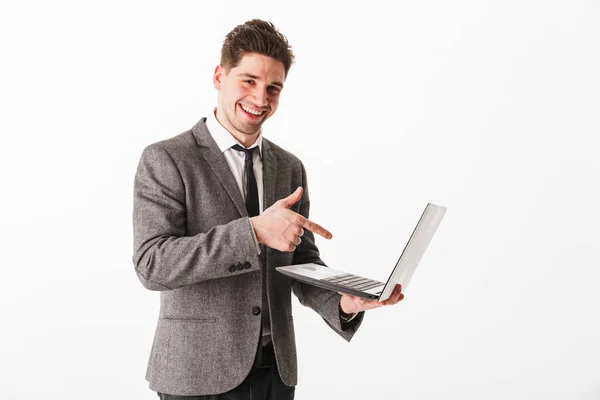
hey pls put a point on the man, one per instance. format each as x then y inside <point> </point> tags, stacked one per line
<point>225,328</point>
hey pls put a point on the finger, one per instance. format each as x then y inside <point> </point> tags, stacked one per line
<point>391,302</point>
<point>397,291</point>
<point>395,296</point>
<point>316,228</point>
<point>292,198</point>
<point>301,232</point>
<point>289,248</point>
<point>285,245</point>
<point>292,236</point>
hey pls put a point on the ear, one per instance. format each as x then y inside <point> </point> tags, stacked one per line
<point>218,77</point>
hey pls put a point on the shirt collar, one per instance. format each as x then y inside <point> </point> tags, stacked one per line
<point>224,139</point>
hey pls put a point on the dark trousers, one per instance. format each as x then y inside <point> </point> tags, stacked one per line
<point>262,383</point>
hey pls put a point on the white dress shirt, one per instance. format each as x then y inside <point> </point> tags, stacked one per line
<point>236,159</point>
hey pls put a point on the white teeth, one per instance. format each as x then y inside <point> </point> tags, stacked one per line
<point>251,111</point>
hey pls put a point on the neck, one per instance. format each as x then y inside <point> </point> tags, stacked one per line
<point>245,139</point>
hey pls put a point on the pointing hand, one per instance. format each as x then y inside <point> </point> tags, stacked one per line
<point>280,228</point>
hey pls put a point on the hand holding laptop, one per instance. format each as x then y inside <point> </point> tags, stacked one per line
<point>353,304</point>
<point>280,228</point>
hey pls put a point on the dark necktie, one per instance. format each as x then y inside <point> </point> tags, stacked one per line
<point>253,210</point>
<point>251,188</point>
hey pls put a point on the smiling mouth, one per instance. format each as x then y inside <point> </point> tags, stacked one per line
<point>251,111</point>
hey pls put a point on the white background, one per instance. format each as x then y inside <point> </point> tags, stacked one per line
<point>489,108</point>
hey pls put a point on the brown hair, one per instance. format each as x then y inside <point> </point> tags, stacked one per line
<point>256,36</point>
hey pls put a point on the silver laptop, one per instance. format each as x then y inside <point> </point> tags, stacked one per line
<point>327,278</point>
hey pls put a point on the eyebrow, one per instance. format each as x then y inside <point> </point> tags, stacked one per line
<point>258,77</point>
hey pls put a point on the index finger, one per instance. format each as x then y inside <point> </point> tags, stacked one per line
<point>316,228</point>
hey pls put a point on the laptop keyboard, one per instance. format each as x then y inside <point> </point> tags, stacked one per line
<point>353,282</point>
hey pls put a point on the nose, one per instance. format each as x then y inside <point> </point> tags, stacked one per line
<point>260,96</point>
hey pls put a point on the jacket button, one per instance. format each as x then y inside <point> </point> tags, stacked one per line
<point>256,310</point>
<point>247,265</point>
<point>240,267</point>
<point>232,268</point>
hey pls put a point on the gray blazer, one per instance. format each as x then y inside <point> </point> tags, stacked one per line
<point>193,241</point>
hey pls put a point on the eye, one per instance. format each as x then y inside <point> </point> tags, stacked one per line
<point>274,89</point>
<point>249,81</point>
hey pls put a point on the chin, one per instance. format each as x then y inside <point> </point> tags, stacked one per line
<point>247,130</point>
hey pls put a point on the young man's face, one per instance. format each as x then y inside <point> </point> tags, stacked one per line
<point>248,94</point>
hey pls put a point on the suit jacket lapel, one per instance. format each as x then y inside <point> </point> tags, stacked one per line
<point>214,157</point>
<point>269,184</point>
<point>269,175</point>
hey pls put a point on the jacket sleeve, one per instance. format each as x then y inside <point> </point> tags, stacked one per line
<point>325,302</point>
<point>164,257</point>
